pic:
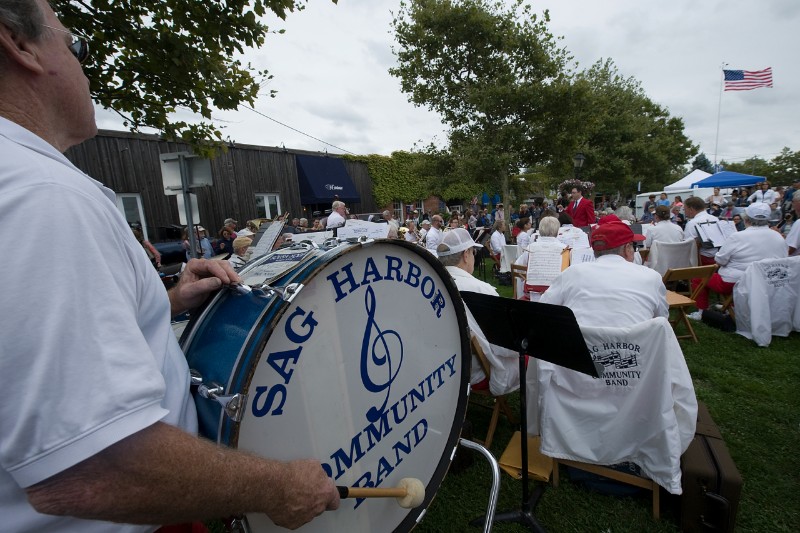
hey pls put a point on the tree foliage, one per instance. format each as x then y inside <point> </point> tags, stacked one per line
<point>701,162</point>
<point>626,137</point>
<point>487,68</point>
<point>151,58</point>
<point>784,169</point>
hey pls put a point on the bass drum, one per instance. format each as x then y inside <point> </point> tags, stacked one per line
<point>360,359</point>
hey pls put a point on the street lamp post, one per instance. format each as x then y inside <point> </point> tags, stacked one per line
<point>577,162</point>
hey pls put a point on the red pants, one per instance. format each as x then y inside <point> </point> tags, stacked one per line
<point>716,284</point>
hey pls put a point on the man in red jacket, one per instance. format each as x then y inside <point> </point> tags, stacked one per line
<point>580,209</point>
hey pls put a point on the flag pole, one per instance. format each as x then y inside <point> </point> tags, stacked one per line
<point>719,112</point>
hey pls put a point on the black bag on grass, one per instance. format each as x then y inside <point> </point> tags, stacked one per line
<point>719,320</point>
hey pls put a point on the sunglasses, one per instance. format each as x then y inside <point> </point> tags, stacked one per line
<point>79,46</point>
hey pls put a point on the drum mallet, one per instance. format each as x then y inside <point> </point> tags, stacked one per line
<point>410,492</point>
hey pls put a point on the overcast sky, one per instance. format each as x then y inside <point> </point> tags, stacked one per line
<point>331,66</point>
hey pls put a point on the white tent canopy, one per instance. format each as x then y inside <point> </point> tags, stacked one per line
<point>688,180</point>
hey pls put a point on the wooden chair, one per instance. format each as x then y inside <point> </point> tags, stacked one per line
<point>616,475</point>
<point>679,302</point>
<point>518,272</point>
<point>497,404</point>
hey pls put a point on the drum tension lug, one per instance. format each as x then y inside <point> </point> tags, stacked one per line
<point>232,404</point>
<point>286,293</point>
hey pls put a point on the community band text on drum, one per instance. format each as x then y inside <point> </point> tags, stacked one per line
<point>366,439</point>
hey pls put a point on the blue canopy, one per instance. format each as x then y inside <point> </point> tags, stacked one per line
<point>322,178</point>
<point>727,178</point>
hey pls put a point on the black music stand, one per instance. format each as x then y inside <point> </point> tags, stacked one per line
<point>513,324</point>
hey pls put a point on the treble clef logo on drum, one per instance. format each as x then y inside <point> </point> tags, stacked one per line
<point>381,356</point>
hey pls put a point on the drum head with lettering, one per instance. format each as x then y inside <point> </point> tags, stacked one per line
<point>367,370</point>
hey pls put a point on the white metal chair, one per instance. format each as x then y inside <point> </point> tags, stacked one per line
<point>666,255</point>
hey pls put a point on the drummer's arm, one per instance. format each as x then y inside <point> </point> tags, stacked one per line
<point>200,278</point>
<point>162,475</point>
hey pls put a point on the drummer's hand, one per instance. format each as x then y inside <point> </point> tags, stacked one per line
<point>200,278</point>
<point>306,492</point>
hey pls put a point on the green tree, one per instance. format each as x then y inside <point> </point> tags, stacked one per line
<point>701,162</point>
<point>626,137</point>
<point>755,166</point>
<point>152,57</point>
<point>492,71</point>
<point>786,167</point>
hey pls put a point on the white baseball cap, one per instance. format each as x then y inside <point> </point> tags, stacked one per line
<point>758,211</point>
<point>455,241</point>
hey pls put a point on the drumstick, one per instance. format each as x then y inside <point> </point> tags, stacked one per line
<point>410,492</point>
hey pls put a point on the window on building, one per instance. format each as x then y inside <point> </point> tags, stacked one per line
<point>397,208</point>
<point>268,205</point>
<point>130,205</point>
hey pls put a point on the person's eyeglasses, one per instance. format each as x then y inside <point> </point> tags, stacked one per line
<point>79,46</point>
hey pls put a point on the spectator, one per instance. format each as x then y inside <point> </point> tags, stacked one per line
<point>338,215</point>
<point>763,194</point>
<point>651,201</point>
<point>225,241</point>
<point>231,225</point>
<point>663,200</point>
<point>738,222</point>
<point>150,250</point>
<point>241,252</point>
<point>715,198</point>
<point>625,214</point>
<point>649,215</point>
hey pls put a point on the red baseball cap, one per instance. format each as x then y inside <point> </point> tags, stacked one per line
<point>612,233</point>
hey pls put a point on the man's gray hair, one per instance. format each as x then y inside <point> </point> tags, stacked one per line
<point>756,221</point>
<point>619,250</point>
<point>549,226</point>
<point>452,259</point>
<point>624,212</point>
<point>335,205</point>
<point>23,17</point>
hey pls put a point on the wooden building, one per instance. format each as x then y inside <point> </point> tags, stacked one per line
<point>248,182</point>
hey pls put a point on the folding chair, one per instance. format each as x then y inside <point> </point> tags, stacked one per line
<point>649,419</point>
<point>498,404</point>
<point>518,274</point>
<point>666,255</point>
<point>680,302</point>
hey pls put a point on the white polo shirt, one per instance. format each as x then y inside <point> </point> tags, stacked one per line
<point>663,231</point>
<point>88,356</point>
<point>743,248</point>
<point>690,232</point>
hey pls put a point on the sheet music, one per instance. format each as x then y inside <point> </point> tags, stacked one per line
<point>711,232</point>
<point>583,255</point>
<point>266,237</point>
<point>728,227</point>
<point>363,228</point>
<point>544,263</point>
<point>317,237</point>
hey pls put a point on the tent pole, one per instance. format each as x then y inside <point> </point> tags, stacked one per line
<point>719,111</point>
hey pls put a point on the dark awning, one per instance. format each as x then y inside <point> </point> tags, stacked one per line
<point>323,178</point>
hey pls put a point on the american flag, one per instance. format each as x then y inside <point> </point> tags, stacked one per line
<point>745,80</point>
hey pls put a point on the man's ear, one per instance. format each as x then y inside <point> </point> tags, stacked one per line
<point>20,50</point>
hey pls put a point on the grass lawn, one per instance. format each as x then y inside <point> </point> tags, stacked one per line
<point>754,396</point>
